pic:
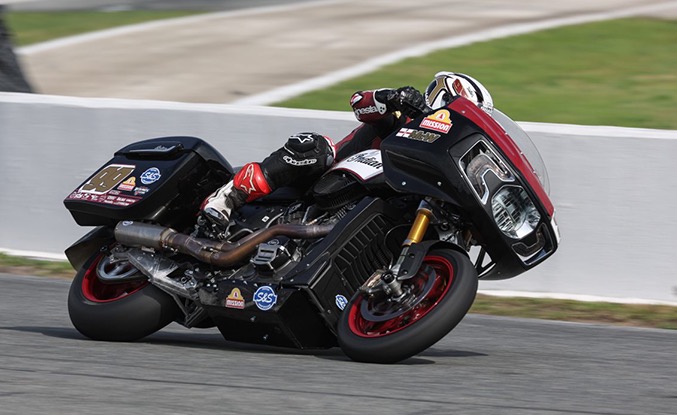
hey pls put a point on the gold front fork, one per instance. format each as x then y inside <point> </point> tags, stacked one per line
<point>418,229</point>
<point>420,225</point>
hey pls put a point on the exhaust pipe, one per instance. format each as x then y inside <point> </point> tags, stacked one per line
<point>220,254</point>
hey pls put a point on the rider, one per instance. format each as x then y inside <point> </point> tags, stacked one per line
<point>307,155</point>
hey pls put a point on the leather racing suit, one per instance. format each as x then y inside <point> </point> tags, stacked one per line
<point>306,156</point>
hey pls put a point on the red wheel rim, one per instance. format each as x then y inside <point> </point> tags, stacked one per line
<point>96,291</point>
<point>444,275</point>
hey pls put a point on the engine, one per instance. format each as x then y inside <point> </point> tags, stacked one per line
<point>332,197</point>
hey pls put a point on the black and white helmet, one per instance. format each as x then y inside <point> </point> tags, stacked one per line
<point>447,85</point>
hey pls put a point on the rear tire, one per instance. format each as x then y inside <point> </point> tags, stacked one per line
<point>125,311</point>
<point>377,331</point>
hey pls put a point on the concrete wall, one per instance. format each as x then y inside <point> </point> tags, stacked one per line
<point>612,187</point>
<point>49,145</point>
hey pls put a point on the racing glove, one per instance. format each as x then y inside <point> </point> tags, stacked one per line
<point>374,105</point>
<point>408,100</point>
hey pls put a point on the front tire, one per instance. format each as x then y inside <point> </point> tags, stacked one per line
<point>124,311</point>
<point>377,331</point>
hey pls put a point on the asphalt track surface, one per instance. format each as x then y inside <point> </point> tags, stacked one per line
<point>488,365</point>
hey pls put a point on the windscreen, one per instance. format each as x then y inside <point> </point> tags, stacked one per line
<point>527,147</point>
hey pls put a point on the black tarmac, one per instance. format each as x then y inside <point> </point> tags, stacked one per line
<point>488,365</point>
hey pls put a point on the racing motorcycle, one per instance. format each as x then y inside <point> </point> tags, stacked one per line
<point>381,255</point>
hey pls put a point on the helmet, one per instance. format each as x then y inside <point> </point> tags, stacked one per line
<point>447,85</point>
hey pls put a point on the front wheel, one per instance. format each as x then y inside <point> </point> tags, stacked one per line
<point>380,330</point>
<point>123,311</point>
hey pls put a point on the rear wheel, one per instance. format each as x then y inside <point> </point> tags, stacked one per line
<point>379,330</point>
<point>121,311</point>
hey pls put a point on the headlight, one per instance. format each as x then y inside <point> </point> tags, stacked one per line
<point>479,161</point>
<point>514,212</point>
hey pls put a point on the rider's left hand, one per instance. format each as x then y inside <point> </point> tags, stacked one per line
<point>409,101</point>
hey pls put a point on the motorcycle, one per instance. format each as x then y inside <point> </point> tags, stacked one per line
<point>381,255</point>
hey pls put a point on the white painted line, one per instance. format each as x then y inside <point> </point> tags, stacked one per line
<point>165,23</point>
<point>289,91</point>
<point>574,297</point>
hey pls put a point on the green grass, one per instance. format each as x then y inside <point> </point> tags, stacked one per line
<point>33,27</point>
<point>24,266</point>
<point>619,72</point>
<point>657,316</point>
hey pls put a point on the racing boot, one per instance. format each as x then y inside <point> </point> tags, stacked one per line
<point>247,185</point>
<point>220,204</point>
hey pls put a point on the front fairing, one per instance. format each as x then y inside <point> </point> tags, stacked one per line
<point>526,146</point>
<point>441,155</point>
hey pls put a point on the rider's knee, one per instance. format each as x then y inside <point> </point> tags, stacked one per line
<point>308,149</point>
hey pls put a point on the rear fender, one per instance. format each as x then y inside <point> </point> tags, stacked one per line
<point>88,245</point>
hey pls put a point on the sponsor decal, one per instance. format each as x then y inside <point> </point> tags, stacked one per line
<point>295,162</point>
<point>265,298</point>
<point>106,179</point>
<point>150,176</point>
<point>235,300</point>
<point>357,97</point>
<point>439,121</point>
<point>458,87</point>
<point>141,190</point>
<point>341,301</point>
<point>365,159</point>
<point>404,132</point>
<point>367,110</point>
<point>128,185</point>
<point>365,165</point>
<point>460,90</point>
<point>106,199</point>
<point>417,135</point>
